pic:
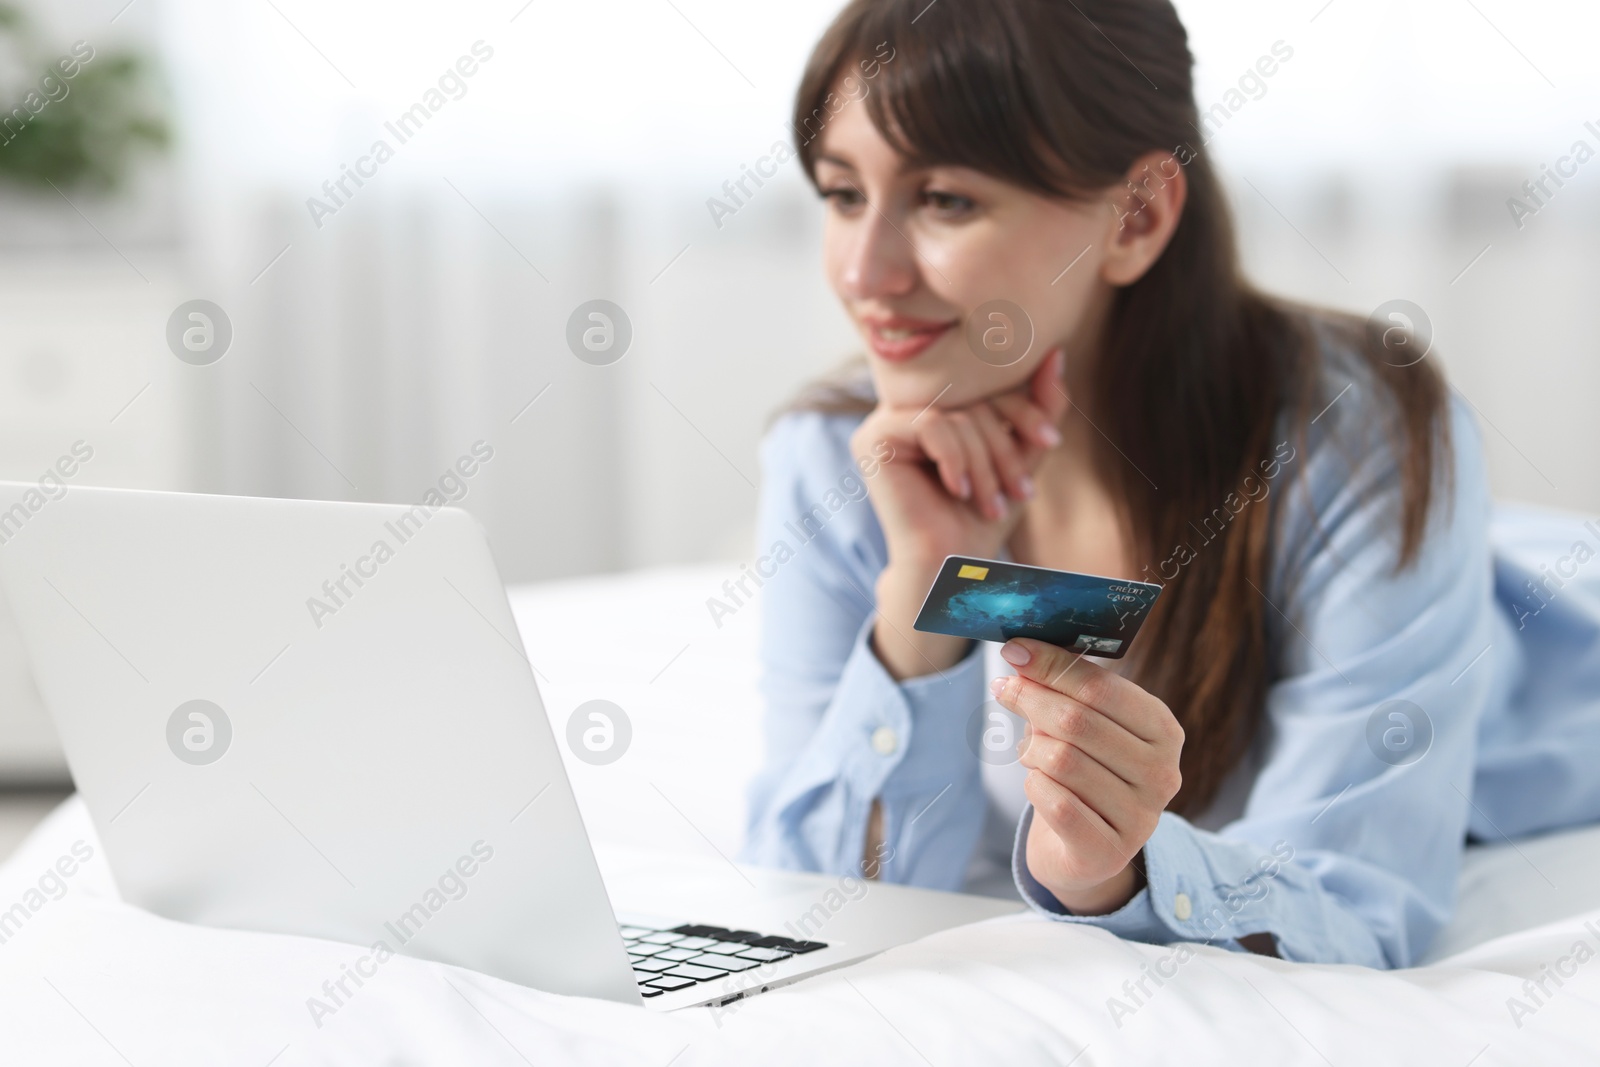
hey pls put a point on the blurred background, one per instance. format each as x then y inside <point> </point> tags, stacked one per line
<point>374,343</point>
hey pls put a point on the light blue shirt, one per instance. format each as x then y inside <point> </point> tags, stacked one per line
<point>1339,839</point>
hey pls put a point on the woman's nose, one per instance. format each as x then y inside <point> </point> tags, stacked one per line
<point>880,260</point>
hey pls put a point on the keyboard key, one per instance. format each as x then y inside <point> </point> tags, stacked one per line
<point>648,992</point>
<point>716,932</point>
<point>698,945</point>
<point>676,953</point>
<point>661,937</point>
<point>631,932</point>
<point>785,945</point>
<point>699,974</point>
<point>694,942</point>
<point>652,964</point>
<point>721,962</point>
<point>764,955</point>
<point>668,984</point>
<point>697,930</point>
<point>644,976</point>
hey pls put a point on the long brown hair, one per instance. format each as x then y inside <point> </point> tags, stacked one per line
<point>1198,368</point>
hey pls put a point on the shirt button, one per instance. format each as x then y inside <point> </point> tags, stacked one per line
<point>1181,907</point>
<point>885,741</point>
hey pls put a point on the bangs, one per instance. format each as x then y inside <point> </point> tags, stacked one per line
<point>961,84</point>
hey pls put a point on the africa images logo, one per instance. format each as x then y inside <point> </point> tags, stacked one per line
<point>199,332</point>
<point>199,732</point>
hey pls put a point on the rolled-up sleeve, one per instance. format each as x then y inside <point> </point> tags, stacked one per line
<point>840,731</point>
<point>1349,845</point>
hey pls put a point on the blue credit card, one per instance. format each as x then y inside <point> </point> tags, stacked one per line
<point>989,600</point>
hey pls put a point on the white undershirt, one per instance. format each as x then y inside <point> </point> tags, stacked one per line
<point>1002,782</point>
<point>990,870</point>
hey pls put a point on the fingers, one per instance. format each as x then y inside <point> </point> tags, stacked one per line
<point>1063,719</point>
<point>986,494</point>
<point>975,456</point>
<point>1035,409</point>
<point>984,453</point>
<point>1117,698</point>
<point>1070,817</point>
<point>1004,452</point>
<point>1033,425</point>
<point>942,443</point>
<point>1046,388</point>
<point>1105,793</point>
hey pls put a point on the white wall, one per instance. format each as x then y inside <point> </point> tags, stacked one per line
<point>1376,165</point>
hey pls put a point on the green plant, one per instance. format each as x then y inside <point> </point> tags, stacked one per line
<point>72,130</point>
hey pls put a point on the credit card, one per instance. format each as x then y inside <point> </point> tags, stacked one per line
<point>989,600</point>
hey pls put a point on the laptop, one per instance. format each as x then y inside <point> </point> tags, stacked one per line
<point>318,718</point>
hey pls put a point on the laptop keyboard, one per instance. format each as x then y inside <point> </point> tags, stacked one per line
<point>665,961</point>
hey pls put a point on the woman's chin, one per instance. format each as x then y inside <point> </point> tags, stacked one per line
<point>899,386</point>
<point>944,394</point>
<point>906,386</point>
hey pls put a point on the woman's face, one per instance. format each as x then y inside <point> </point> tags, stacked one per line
<point>917,255</point>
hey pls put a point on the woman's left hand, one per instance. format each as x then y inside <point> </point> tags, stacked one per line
<point>1102,759</point>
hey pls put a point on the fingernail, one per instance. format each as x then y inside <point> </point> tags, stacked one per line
<point>1049,435</point>
<point>966,487</point>
<point>996,686</point>
<point>1000,505</point>
<point>1014,654</point>
<point>1025,484</point>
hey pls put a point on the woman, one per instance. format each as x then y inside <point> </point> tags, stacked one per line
<point>1330,695</point>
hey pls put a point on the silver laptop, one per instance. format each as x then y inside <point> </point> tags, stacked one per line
<point>318,718</point>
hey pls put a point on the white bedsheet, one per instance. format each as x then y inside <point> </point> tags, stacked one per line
<point>88,980</point>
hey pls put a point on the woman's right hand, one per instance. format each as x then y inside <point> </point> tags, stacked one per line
<point>953,485</point>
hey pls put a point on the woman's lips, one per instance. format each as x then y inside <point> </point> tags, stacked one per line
<point>898,341</point>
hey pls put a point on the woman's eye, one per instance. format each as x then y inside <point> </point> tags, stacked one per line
<point>948,205</point>
<point>843,198</point>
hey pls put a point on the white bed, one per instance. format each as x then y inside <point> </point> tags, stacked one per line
<point>88,980</point>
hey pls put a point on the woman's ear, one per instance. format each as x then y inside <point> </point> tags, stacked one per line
<point>1142,211</point>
